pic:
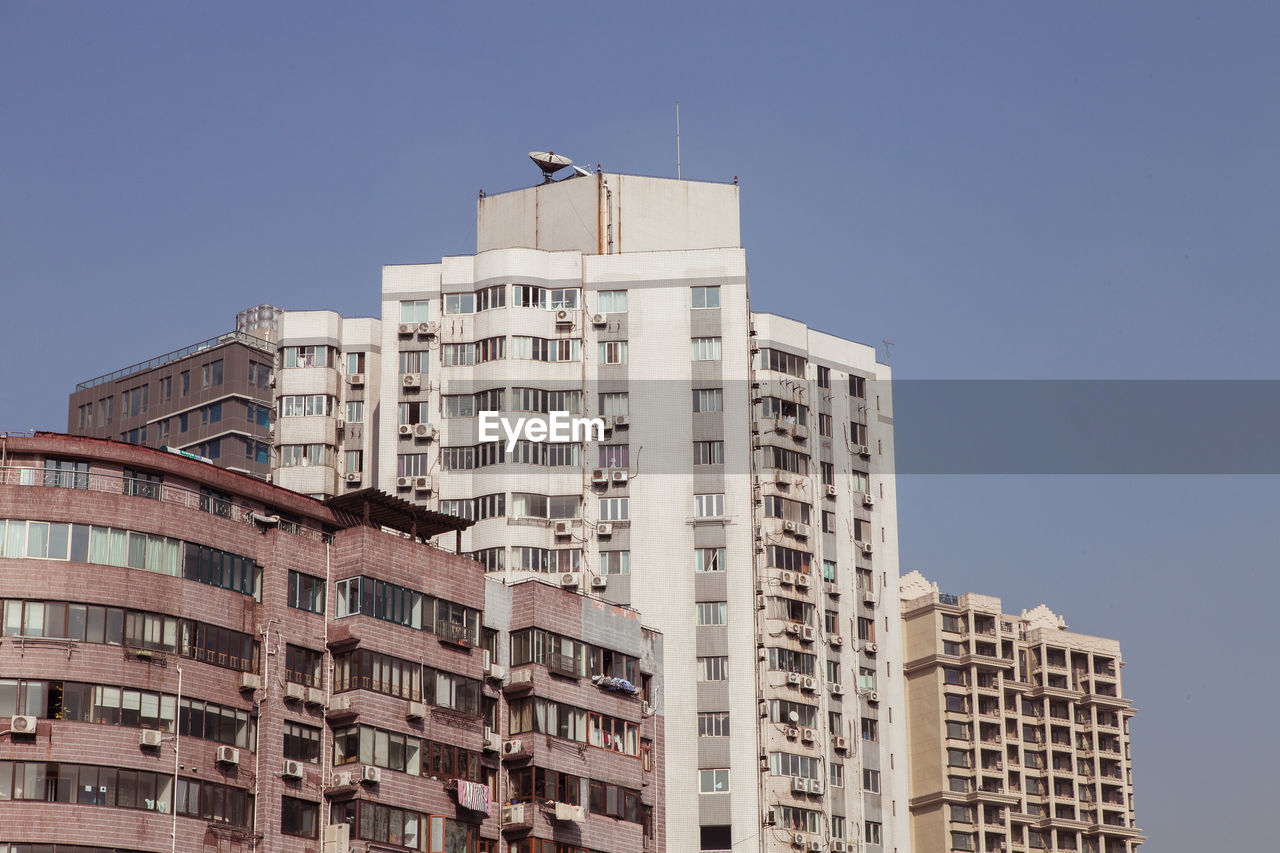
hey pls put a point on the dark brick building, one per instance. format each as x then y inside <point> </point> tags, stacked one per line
<point>195,660</point>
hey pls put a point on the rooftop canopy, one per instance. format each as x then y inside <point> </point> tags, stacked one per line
<point>374,508</point>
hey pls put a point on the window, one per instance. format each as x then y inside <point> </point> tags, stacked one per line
<point>824,377</point>
<point>870,729</point>
<point>959,758</point>
<point>871,832</point>
<point>714,668</point>
<point>211,374</point>
<point>615,562</point>
<point>612,302</point>
<point>615,456</point>
<point>713,613</point>
<point>307,405</point>
<point>952,623</point>
<point>706,297</point>
<point>306,592</point>
<point>413,361</point>
<point>415,311</point>
<point>706,349</point>
<point>708,453</point>
<point>185,376</point>
<point>951,675</point>
<point>355,411</point>
<point>301,743</point>
<point>66,474</point>
<point>857,387</point>
<point>302,455</point>
<point>871,781</point>
<point>831,621</point>
<point>785,460</point>
<point>708,560</point>
<point>303,666</point>
<point>542,349</point>
<point>788,559</point>
<point>355,362</point>
<point>715,838</point>
<point>708,400</point>
<point>786,509</point>
<point>829,572</point>
<point>183,421</point>
<point>614,509</point>
<point>613,404</point>
<point>299,817</point>
<point>866,678</point>
<point>964,841</point>
<point>460,303</point>
<point>866,629</point>
<point>957,703</point>
<point>713,781</point>
<point>713,724</point>
<point>837,775</point>
<point>411,465</point>
<point>782,362</point>
<point>708,506</point>
<point>959,731</point>
<point>613,352</point>
<point>837,826</point>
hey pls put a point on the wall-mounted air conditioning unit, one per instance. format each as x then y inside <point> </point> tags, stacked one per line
<point>871,648</point>
<point>356,378</point>
<point>793,629</point>
<point>791,732</point>
<point>808,634</point>
<point>621,421</point>
<point>604,530</point>
<point>427,329</point>
<point>810,684</point>
<point>408,328</point>
<point>315,696</point>
<point>250,681</point>
<point>294,692</point>
<point>149,737</point>
<point>808,735</point>
<point>836,640</point>
<point>404,482</point>
<point>799,785</point>
<point>787,578</point>
<point>831,491</point>
<point>564,317</point>
<point>564,528</point>
<point>513,747</point>
<point>353,476</point>
<point>599,582</point>
<point>620,478</point>
<point>802,531</point>
<point>292,770</point>
<point>816,786</point>
<point>867,548</point>
<point>406,429</point>
<point>599,320</point>
<point>227,755</point>
<point>793,678</point>
<point>864,450</point>
<point>422,430</point>
<point>869,597</point>
<point>837,689</point>
<point>803,581</point>
<point>340,424</point>
<point>599,476</point>
<point>867,500</point>
<point>797,839</point>
<point>873,697</point>
<point>492,741</point>
<point>422,484</point>
<point>411,380</point>
<point>570,579</point>
<point>370,774</point>
<point>789,527</point>
<point>840,743</point>
<point>416,711</point>
<point>343,780</point>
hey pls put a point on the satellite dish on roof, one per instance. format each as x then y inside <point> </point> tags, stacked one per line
<point>549,162</point>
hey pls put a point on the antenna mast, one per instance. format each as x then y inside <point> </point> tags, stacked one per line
<point>677,140</point>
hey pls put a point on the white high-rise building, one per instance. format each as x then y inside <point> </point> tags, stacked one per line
<point>742,496</point>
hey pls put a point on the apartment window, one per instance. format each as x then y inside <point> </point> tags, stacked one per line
<point>612,302</point>
<point>355,362</point>
<point>301,743</point>
<point>493,559</point>
<point>715,838</point>
<point>964,841</point>
<point>210,449</point>
<point>828,522</point>
<point>706,349</point>
<point>833,671</point>
<point>786,509</point>
<point>306,592</point>
<point>412,465</point>
<point>708,560</point>
<point>183,422</point>
<point>952,623</point>
<point>614,404</point>
<point>615,562</point>
<point>708,453</point>
<point>872,832</point>
<point>959,731</point>
<point>959,784</point>
<point>708,400</point>
<point>413,361</point>
<point>828,473</point>
<point>134,401</point>
<point>866,628</point>
<point>66,474</point>
<point>829,572</point>
<point>836,775</point>
<point>824,425</point>
<point>857,432</point>
<point>354,461</point>
<point>708,506</point>
<point>211,374</point>
<point>706,297</point>
<point>715,668</point>
<point>303,666</point>
<point>460,303</point>
<point>542,349</point>
<point>861,482</point>
<point>355,411</point>
<point>789,559</point>
<point>870,729</point>
<point>415,311</point>
<point>957,703</point>
<point>614,509</point>
<point>299,817</point>
<point>563,297</point>
<point>782,362</point>
<point>871,781</point>
<point>185,376</point>
<point>713,724</point>
<point>837,826</point>
<point>713,612</point>
<point>259,374</point>
<point>831,621</point>
<point>787,411</point>
<point>302,455</point>
<point>857,387</point>
<point>615,456</point>
<point>824,377</point>
<point>713,781</point>
<point>308,405</point>
<point>613,352</point>
<point>951,675</point>
<point>866,678</point>
<point>959,758</point>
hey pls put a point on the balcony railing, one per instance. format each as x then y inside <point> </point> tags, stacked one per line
<point>563,665</point>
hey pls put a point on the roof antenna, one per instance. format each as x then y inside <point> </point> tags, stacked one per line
<point>549,162</point>
<point>677,140</point>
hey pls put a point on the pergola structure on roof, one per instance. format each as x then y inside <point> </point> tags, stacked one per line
<point>375,508</point>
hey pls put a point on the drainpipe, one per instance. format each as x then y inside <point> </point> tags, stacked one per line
<point>177,736</point>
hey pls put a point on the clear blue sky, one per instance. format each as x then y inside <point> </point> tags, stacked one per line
<point>1004,190</point>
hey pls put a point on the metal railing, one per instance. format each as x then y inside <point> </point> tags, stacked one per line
<point>250,340</point>
<point>166,493</point>
<point>948,598</point>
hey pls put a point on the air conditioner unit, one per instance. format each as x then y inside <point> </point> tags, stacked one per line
<point>864,450</point>
<point>427,330</point>
<point>421,430</point>
<point>492,742</point>
<point>353,476</point>
<point>411,380</point>
<point>837,846</point>
<point>149,737</point>
<point>228,755</point>
<point>340,703</point>
<point>869,597</point>
<point>250,681</point>
<point>797,839</point>
<point>867,548</point>
<point>294,692</point>
<point>340,424</point>
<point>404,482</point>
<point>793,678</point>
<point>406,429</point>
<point>564,318</point>
<point>789,527</point>
<point>808,634</point>
<point>810,684</point>
<point>292,770</point>
<point>621,421</point>
<point>873,696</point>
<point>604,529</point>
<point>599,582</point>
<point>803,581</point>
<point>787,578</point>
<point>791,732</point>
<point>836,640</point>
<point>871,648</point>
<point>599,476</point>
<point>816,786</point>
<point>356,378</point>
<point>370,774</point>
<point>799,785</point>
<point>647,709</point>
<point>570,579</point>
<point>513,747</point>
<point>416,711</point>
<point>620,477</point>
<point>422,484</point>
<point>815,846</point>
<point>564,528</point>
<point>808,735</point>
<point>840,743</point>
<point>408,328</point>
<point>315,696</point>
<point>831,491</point>
<point>867,500</point>
<point>802,531</point>
<point>599,320</point>
<point>793,629</point>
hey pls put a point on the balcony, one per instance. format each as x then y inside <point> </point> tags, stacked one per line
<point>454,634</point>
<point>564,666</point>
